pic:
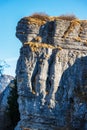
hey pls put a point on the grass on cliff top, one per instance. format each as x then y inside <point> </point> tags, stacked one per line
<point>42,18</point>
<point>37,18</point>
<point>67,17</point>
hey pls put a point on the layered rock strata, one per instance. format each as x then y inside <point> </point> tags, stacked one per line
<point>52,74</point>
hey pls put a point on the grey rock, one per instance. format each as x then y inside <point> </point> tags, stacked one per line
<point>52,83</point>
<point>26,32</point>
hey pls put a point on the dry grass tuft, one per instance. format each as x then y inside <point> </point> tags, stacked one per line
<point>37,18</point>
<point>36,21</point>
<point>35,46</point>
<point>67,17</point>
<point>38,39</point>
<point>41,16</point>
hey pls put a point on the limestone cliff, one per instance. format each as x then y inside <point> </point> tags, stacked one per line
<point>52,74</point>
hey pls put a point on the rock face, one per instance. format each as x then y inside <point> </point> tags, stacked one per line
<point>4,93</point>
<point>52,75</point>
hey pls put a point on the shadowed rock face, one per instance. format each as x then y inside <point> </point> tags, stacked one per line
<point>5,82</point>
<point>52,82</point>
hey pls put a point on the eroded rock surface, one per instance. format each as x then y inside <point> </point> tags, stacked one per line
<point>52,75</point>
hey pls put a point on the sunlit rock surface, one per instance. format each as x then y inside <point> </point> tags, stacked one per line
<point>52,75</point>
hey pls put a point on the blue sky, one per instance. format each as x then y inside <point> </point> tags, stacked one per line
<point>11,11</point>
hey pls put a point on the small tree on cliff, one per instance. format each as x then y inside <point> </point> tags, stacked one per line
<point>13,111</point>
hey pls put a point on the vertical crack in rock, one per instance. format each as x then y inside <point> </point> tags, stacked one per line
<point>42,74</point>
<point>47,32</point>
<point>33,78</point>
<point>53,78</point>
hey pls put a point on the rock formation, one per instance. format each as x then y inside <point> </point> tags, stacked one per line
<point>52,74</point>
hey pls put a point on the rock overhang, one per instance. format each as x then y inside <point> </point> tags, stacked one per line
<point>52,30</point>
